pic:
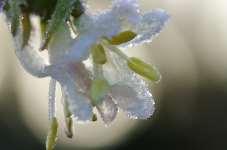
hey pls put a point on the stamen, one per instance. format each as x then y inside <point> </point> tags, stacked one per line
<point>99,86</point>
<point>98,54</point>
<point>68,118</point>
<point>52,134</point>
<point>148,71</point>
<point>136,65</point>
<point>123,37</point>
<point>114,49</point>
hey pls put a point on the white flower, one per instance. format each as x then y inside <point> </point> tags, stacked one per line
<point>119,86</point>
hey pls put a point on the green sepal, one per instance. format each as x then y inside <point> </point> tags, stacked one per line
<point>148,71</point>
<point>122,37</point>
<point>98,54</point>
<point>52,134</point>
<point>26,26</point>
<point>98,91</point>
<point>14,13</point>
<point>61,15</point>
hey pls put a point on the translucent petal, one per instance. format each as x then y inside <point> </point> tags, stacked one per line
<point>61,43</point>
<point>103,24</point>
<point>108,110</point>
<point>129,91</point>
<point>80,49</point>
<point>29,56</point>
<point>127,11</point>
<point>149,27</point>
<point>106,24</point>
<point>79,103</point>
<point>129,100</point>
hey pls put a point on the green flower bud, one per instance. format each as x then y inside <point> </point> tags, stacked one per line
<point>123,37</point>
<point>99,89</point>
<point>98,54</point>
<point>144,69</point>
<point>52,135</point>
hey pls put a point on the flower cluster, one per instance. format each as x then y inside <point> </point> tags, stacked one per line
<point>86,57</point>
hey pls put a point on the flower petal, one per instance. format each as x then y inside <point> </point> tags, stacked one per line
<point>79,104</point>
<point>80,49</point>
<point>129,91</point>
<point>127,11</point>
<point>29,56</point>
<point>150,26</point>
<point>107,109</point>
<point>129,100</point>
<point>60,43</point>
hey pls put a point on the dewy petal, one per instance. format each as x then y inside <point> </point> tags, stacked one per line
<point>79,104</point>
<point>127,11</point>
<point>107,109</point>
<point>103,24</point>
<point>29,56</point>
<point>150,26</point>
<point>80,49</point>
<point>61,43</point>
<point>129,91</point>
<point>99,26</point>
<point>129,100</point>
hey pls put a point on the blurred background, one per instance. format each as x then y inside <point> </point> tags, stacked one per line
<point>191,99</point>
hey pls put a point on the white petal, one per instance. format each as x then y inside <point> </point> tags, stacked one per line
<point>80,49</point>
<point>103,24</point>
<point>106,24</point>
<point>150,26</point>
<point>79,104</point>
<point>127,11</point>
<point>129,100</point>
<point>29,56</point>
<point>130,92</point>
<point>60,44</point>
<point>108,110</point>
